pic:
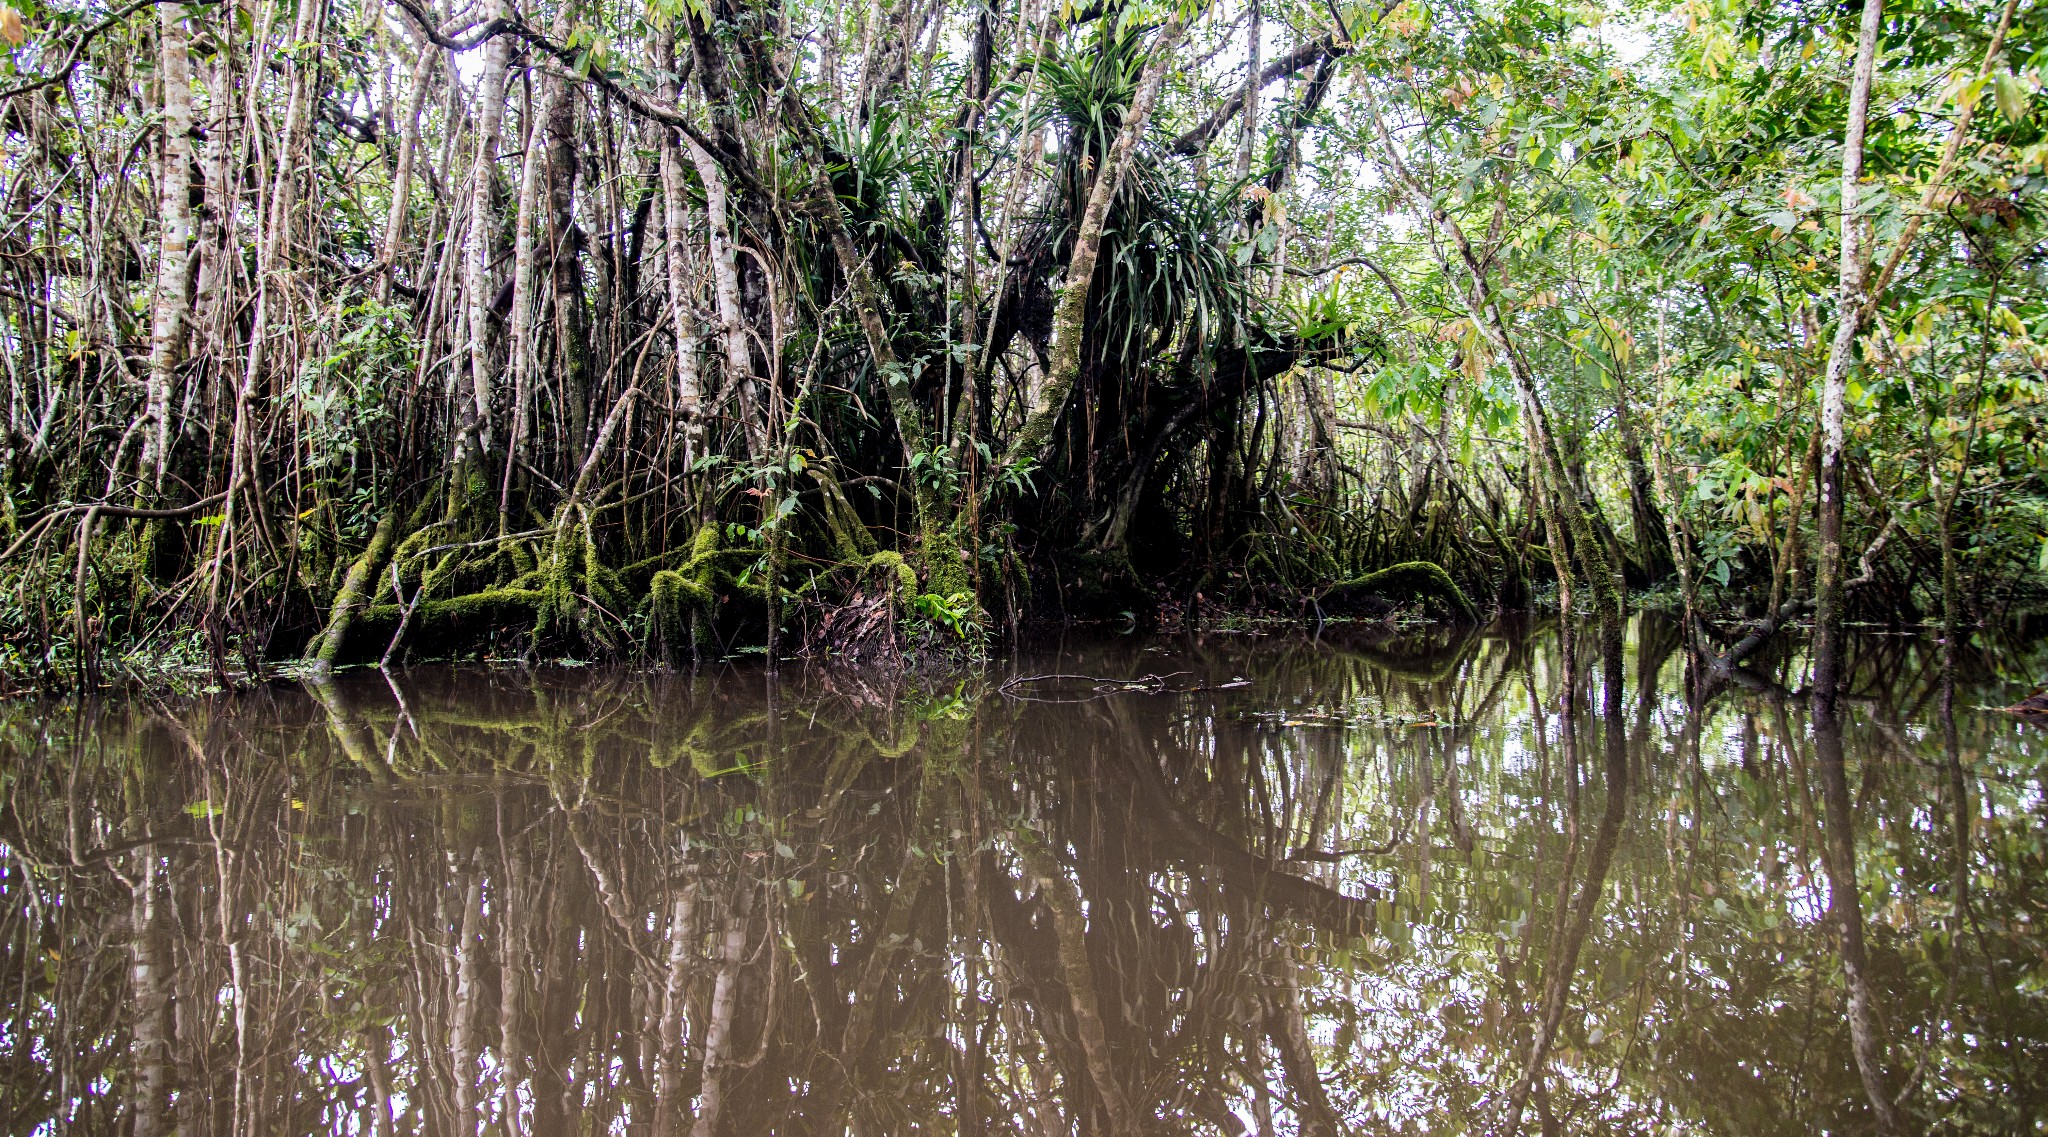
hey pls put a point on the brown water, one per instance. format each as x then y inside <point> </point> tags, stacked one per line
<point>1282,886</point>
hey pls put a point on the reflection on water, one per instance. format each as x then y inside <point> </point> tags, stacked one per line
<point>1257,886</point>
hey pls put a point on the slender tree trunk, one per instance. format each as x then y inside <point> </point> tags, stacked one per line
<point>571,373</point>
<point>1248,128</point>
<point>514,971</point>
<point>1070,318</point>
<point>151,1043</point>
<point>725,288</point>
<point>1286,1024</point>
<point>1569,934</point>
<point>401,175</point>
<point>671,1111</point>
<point>718,1031</point>
<point>376,1056</point>
<point>1485,311</point>
<point>173,303</point>
<point>1070,930</point>
<point>677,237</point>
<point>271,246</point>
<point>520,323</point>
<point>476,432</point>
<point>1647,522</point>
<point>1828,647</point>
<point>1845,910</point>
<point>463,1043</point>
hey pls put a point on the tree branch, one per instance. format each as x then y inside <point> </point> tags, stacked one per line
<point>639,102</point>
<point>1291,64</point>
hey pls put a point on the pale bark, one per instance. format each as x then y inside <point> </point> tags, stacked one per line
<point>732,951</point>
<point>513,972</point>
<point>676,233</point>
<point>1561,506</point>
<point>477,245</point>
<point>271,242</point>
<point>401,175</point>
<point>1286,1024</point>
<point>1070,930</point>
<point>172,301</point>
<point>520,323</point>
<point>1071,317</point>
<point>1248,126</point>
<point>463,1043</point>
<point>150,1045</point>
<point>1834,397</point>
<point>725,288</point>
<point>670,1109</point>
<point>1032,29</point>
<point>376,1055</point>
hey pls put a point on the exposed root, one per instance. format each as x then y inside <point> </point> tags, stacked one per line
<point>460,615</point>
<point>1410,579</point>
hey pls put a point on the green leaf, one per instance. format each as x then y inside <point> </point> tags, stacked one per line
<point>2010,95</point>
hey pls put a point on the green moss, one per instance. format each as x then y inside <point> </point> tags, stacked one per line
<point>492,607</point>
<point>356,588</point>
<point>893,564</point>
<point>1420,579</point>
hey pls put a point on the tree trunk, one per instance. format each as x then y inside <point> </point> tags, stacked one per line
<point>1248,127</point>
<point>1845,909</point>
<point>1070,319</point>
<point>676,234</point>
<point>1652,543</point>
<point>150,1045</point>
<point>671,1110</point>
<point>519,323</point>
<point>1569,934</point>
<point>1560,501</point>
<point>725,288</point>
<point>464,1045</point>
<point>718,1032</point>
<point>1834,398</point>
<point>401,175</point>
<point>167,325</point>
<point>271,241</point>
<point>1070,929</point>
<point>566,240</point>
<point>476,249</point>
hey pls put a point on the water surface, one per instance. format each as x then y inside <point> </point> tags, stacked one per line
<point>1222,885</point>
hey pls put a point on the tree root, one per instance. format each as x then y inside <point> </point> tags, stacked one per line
<point>489,608</point>
<point>557,586</point>
<point>356,589</point>
<point>1420,579</point>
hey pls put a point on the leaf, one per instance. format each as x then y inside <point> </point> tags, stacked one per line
<point>1966,92</point>
<point>1797,198</point>
<point>2010,95</point>
<point>10,26</point>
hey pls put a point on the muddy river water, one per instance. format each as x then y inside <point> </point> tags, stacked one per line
<point>1223,884</point>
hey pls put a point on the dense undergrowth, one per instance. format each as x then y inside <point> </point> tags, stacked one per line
<point>339,332</point>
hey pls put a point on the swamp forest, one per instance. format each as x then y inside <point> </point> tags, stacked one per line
<point>340,331</point>
<point>1023,568</point>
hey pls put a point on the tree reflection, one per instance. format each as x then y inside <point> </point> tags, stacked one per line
<point>1446,885</point>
